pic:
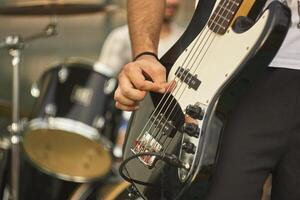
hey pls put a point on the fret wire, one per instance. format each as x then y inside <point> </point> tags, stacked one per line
<point>218,17</point>
<point>228,5</point>
<point>234,2</point>
<point>223,20</point>
<point>220,25</point>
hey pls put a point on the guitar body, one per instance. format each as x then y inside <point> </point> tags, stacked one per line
<point>212,70</point>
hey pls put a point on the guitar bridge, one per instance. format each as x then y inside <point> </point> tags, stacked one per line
<point>147,143</point>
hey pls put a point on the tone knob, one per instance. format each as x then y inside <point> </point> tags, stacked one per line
<point>191,129</point>
<point>189,147</point>
<point>195,111</point>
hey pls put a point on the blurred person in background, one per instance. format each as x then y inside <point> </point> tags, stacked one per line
<point>116,52</point>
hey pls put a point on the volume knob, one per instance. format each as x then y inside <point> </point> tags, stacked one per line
<point>191,129</point>
<point>189,147</point>
<point>195,111</point>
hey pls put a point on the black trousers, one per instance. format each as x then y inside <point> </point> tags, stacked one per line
<point>262,136</point>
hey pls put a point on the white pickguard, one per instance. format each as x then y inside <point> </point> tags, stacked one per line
<point>214,64</point>
<point>218,57</point>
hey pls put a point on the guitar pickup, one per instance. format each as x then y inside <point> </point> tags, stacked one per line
<point>185,76</point>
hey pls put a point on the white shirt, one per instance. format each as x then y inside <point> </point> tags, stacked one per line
<point>288,55</point>
<point>116,50</point>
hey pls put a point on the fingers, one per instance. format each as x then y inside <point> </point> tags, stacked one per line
<point>134,72</point>
<point>136,78</point>
<point>126,96</point>
<point>125,108</point>
<point>119,97</point>
<point>157,74</point>
<point>127,89</point>
<point>124,103</point>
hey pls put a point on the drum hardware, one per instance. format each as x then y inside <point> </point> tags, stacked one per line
<point>63,75</point>
<point>14,44</point>
<point>110,85</point>
<point>4,165</point>
<point>54,7</point>
<point>50,110</point>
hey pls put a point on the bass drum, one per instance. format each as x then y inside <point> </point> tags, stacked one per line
<point>72,127</point>
<point>37,185</point>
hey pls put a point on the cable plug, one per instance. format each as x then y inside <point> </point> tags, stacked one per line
<point>173,160</point>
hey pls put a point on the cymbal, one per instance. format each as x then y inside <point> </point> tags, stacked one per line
<point>53,7</point>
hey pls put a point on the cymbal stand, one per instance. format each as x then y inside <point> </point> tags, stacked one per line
<point>15,44</point>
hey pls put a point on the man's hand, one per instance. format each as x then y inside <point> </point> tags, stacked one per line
<point>138,77</point>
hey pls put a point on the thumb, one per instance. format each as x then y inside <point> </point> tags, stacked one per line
<point>159,82</point>
<point>167,87</point>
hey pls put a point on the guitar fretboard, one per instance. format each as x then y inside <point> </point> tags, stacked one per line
<point>223,15</point>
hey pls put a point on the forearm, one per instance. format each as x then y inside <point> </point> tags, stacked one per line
<point>145,19</point>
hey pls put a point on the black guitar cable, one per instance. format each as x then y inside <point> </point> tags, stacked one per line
<point>170,159</point>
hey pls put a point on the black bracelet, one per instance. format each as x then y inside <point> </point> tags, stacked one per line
<point>146,53</point>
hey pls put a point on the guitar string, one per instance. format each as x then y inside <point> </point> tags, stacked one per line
<point>199,62</point>
<point>234,3</point>
<point>166,94</point>
<point>165,101</point>
<point>217,15</point>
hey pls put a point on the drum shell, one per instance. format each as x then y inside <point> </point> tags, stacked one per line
<point>36,185</point>
<point>73,102</point>
<point>75,91</point>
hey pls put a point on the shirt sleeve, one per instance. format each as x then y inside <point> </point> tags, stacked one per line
<point>116,51</point>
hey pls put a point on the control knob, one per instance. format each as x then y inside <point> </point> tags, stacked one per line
<point>195,111</point>
<point>189,147</point>
<point>191,129</point>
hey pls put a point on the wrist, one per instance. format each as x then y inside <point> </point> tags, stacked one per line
<point>147,54</point>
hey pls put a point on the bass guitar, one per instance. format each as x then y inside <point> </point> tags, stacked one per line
<point>171,145</point>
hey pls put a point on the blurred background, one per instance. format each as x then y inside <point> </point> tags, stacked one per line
<point>78,36</point>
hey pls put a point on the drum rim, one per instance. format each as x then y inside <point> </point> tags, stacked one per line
<point>73,62</point>
<point>43,123</point>
<point>64,124</point>
<point>64,177</point>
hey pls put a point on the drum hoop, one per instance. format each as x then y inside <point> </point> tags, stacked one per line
<point>70,125</point>
<point>64,124</point>
<point>73,62</point>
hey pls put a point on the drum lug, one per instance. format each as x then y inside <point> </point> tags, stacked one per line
<point>35,91</point>
<point>99,122</point>
<point>17,127</point>
<point>110,85</point>
<point>50,110</point>
<point>63,75</point>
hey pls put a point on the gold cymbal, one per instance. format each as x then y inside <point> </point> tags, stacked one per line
<point>53,7</point>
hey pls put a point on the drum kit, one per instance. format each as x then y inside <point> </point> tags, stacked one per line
<point>71,131</point>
